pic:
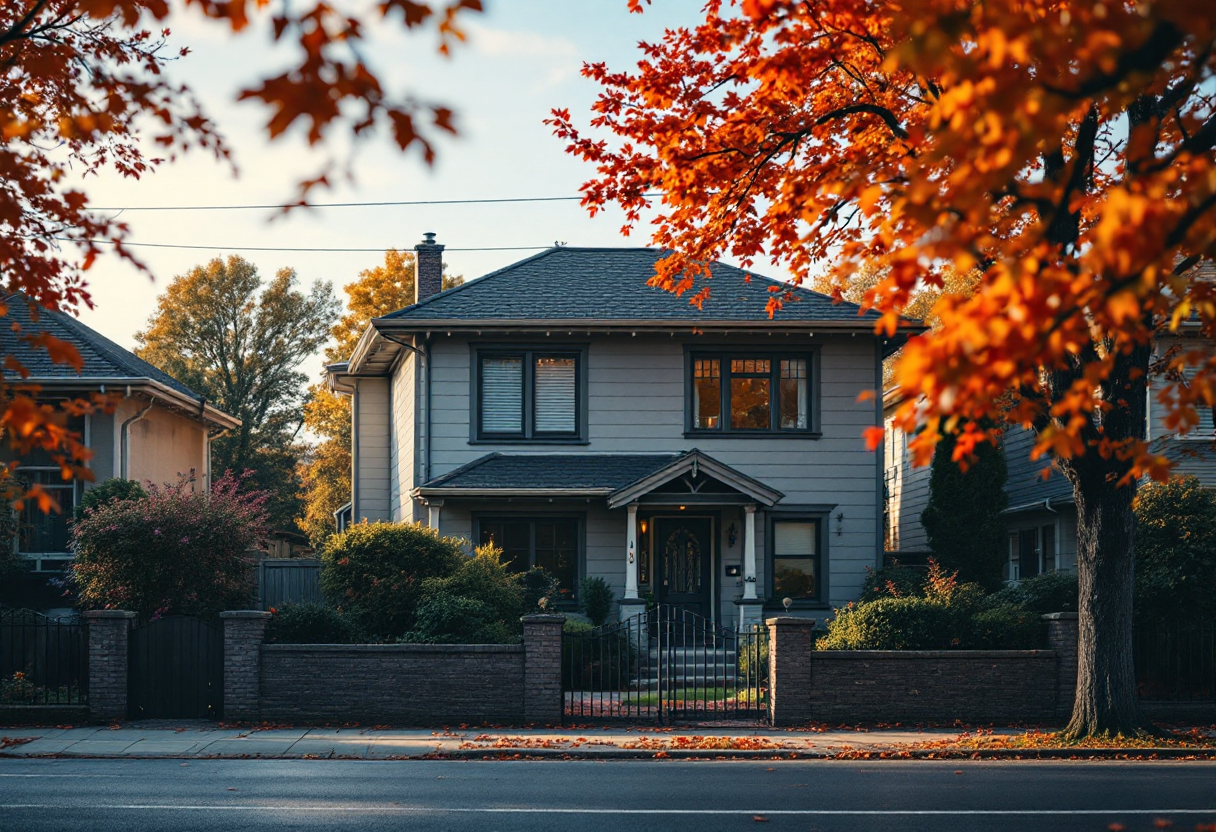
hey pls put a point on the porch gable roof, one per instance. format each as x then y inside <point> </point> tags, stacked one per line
<point>695,463</point>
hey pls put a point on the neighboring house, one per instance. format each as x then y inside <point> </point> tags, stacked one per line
<point>588,423</point>
<point>159,429</point>
<point>1042,517</point>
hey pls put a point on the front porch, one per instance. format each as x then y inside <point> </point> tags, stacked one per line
<point>690,537</point>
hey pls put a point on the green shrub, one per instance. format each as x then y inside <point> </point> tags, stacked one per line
<point>480,603</point>
<point>595,598</point>
<point>176,551</point>
<point>311,623</point>
<point>374,572</point>
<point>894,581</point>
<point>540,586</point>
<point>107,491</point>
<point>945,615</point>
<point>1175,550</point>
<point>1049,592</point>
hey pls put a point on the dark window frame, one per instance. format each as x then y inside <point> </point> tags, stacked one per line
<point>580,540</point>
<point>724,356</point>
<point>819,515</point>
<point>529,435</point>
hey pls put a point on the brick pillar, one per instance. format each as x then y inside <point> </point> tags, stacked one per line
<point>1062,637</point>
<point>244,631</point>
<point>543,669</point>
<point>790,645</point>
<point>109,634</point>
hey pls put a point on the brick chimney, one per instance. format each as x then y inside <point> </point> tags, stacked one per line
<point>428,280</point>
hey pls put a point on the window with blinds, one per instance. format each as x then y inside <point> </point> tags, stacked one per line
<point>529,395</point>
<point>796,571</point>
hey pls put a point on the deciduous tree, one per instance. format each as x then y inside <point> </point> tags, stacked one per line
<point>84,89</point>
<point>1062,150</point>
<point>376,292</point>
<point>240,342</point>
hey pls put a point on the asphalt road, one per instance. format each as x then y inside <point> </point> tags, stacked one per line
<point>75,795</point>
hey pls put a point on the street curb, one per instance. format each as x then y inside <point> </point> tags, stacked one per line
<point>1080,754</point>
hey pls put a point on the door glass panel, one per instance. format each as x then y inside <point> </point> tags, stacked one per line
<point>682,564</point>
<point>749,403</point>
<point>707,393</point>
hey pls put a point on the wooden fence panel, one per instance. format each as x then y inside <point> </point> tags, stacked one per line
<point>288,582</point>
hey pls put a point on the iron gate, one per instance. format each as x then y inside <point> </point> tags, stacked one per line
<point>176,670</point>
<point>666,664</point>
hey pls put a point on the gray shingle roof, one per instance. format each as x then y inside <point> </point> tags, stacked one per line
<point>606,284</point>
<point>553,471</point>
<point>102,357</point>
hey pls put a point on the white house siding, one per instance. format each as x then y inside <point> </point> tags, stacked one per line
<point>636,405</point>
<point>404,463</point>
<point>372,449</point>
<point>907,493</point>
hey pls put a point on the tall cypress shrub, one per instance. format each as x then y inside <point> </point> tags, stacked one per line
<point>963,516</point>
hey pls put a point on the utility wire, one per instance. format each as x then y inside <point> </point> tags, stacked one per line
<point>288,248</point>
<point>351,204</point>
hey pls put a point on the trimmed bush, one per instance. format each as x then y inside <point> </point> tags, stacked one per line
<point>310,623</point>
<point>1049,592</point>
<point>480,603</point>
<point>595,598</point>
<point>374,573</point>
<point>176,551</point>
<point>999,626</point>
<point>1175,550</point>
<point>894,581</point>
<point>108,491</point>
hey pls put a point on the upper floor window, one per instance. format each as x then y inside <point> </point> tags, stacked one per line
<point>750,393</point>
<point>529,395</point>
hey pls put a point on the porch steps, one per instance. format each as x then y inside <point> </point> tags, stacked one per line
<point>692,666</point>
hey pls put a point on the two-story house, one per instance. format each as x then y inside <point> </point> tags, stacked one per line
<point>586,422</point>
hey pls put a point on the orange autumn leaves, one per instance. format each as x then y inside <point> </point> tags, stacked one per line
<point>86,90</point>
<point>1062,152</point>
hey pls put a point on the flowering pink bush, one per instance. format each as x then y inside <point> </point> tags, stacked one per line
<point>180,550</point>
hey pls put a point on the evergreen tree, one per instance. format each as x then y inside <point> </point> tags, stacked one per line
<point>963,516</point>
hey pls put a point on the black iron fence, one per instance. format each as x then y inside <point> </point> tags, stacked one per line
<point>1176,660</point>
<point>666,664</point>
<point>43,661</point>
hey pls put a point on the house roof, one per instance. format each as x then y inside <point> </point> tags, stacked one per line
<point>103,361</point>
<point>610,284</point>
<point>622,478</point>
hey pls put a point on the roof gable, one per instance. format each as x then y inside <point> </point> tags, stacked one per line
<point>101,358</point>
<point>611,284</point>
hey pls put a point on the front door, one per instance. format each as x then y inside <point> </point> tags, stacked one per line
<point>684,553</point>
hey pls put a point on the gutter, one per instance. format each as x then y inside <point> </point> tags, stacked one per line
<point>1037,505</point>
<point>125,437</point>
<point>158,390</point>
<point>440,491</point>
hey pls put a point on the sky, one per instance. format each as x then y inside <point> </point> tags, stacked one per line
<point>523,58</point>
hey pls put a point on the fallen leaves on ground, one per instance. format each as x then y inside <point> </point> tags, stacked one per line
<point>9,742</point>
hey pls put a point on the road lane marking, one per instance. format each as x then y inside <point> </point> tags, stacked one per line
<point>177,807</point>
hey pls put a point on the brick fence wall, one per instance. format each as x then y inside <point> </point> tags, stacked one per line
<point>1006,686</point>
<point>402,684</point>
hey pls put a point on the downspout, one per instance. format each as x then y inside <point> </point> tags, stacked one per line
<point>125,438</point>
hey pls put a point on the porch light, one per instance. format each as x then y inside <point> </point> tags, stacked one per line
<point>643,525</point>
<point>681,508</point>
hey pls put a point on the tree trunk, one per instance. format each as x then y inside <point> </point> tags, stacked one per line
<point>1107,703</point>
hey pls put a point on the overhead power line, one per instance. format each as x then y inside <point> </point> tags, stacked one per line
<point>386,204</point>
<point>380,250</point>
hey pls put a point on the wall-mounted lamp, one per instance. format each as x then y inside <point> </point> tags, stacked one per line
<point>732,535</point>
<point>681,508</point>
<point>839,523</point>
<point>643,525</point>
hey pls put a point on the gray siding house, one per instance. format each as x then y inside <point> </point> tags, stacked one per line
<point>1042,517</point>
<point>588,423</point>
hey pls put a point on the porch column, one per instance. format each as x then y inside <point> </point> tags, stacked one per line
<point>631,553</point>
<point>433,508</point>
<point>749,553</point>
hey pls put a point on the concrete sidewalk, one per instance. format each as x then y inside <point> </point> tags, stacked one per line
<point>207,741</point>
